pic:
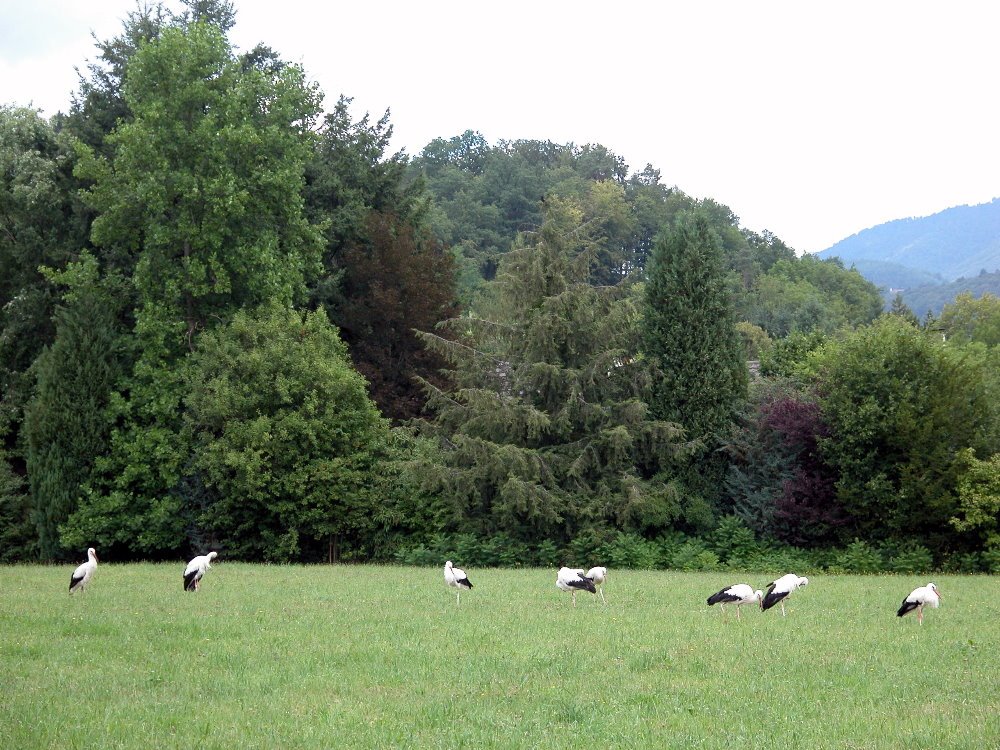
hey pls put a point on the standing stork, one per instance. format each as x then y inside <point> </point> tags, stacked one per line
<point>196,570</point>
<point>599,575</point>
<point>573,580</point>
<point>782,588</point>
<point>456,578</point>
<point>738,594</point>
<point>84,572</point>
<point>924,596</point>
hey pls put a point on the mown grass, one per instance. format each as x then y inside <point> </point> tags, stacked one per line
<point>378,657</point>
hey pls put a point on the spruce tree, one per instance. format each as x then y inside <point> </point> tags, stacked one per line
<point>544,430</point>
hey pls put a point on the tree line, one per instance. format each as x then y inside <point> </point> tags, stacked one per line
<point>230,319</point>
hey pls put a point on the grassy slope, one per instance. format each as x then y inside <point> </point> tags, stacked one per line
<point>317,657</point>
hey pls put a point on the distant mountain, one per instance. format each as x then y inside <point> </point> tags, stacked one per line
<point>930,260</point>
<point>901,254</point>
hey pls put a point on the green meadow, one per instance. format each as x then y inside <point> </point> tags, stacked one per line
<point>379,657</point>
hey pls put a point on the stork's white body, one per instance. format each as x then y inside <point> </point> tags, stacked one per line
<point>738,594</point>
<point>196,570</point>
<point>781,589</point>
<point>599,575</point>
<point>924,596</point>
<point>456,578</point>
<point>573,580</point>
<point>84,572</point>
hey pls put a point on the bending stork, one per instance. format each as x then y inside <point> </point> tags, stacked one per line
<point>781,589</point>
<point>196,570</point>
<point>456,578</point>
<point>738,594</point>
<point>925,596</point>
<point>573,580</point>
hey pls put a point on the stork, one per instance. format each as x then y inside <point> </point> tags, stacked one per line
<point>599,575</point>
<point>738,594</point>
<point>573,580</point>
<point>84,572</point>
<point>924,596</point>
<point>456,578</point>
<point>196,570</point>
<point>780,589</point>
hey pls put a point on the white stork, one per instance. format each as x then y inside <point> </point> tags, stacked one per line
<point>456,578</point>
<point>599,575</point>
<point>573,580</point>
<point>780,589</point>
<point>84,572</point>
<point>738,594</point>
<point>196,570</point>
<point>924,596</point>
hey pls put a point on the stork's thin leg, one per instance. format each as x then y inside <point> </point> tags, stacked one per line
<point>574,598</point>
<point>920,615</point>
<point>737,611</point>
<point>601,591</point>
<point>458,597</point>
<point>782,607</point>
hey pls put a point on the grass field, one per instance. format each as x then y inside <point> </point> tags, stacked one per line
<point>379,657</point>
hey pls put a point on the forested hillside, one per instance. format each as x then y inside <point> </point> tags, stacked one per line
<point>956,242</point>
<point>929,260</point>
<point>230,318</point>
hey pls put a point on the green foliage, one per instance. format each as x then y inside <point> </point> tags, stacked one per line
<point>755,339</point>
<point>205,185</point>
<point>42,222</point>
<point>901,407</point>
<point>284,436</point>
<point>65,425</point>
<point>859,557</point>
<point>544,431</point>
<point>806,294</point>
<point>689,334</point>
<point>733,539</point>
<point>694,555</point>
<point>978,494</point>
<point>787,356</point>
<point>17,531</point>
<point>913,559</point>
<point>968,319</point>
<point>628,551</point>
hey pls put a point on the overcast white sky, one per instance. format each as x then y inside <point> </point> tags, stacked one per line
<point>814,120</point>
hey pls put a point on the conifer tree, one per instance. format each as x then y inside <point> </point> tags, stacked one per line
<point>689,333</point>
<point>544,430</point>
<point>65,426</point>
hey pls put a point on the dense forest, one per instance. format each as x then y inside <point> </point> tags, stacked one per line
<point>232,319</point>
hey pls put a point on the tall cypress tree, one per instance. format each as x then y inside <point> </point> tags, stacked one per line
<point>689,333</point>
<point>545,431</point>
<point>65,426</point>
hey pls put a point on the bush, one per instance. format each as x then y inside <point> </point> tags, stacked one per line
<point>991,559</point>
<point>968,562</point>
<point>913,560</point>
<point>694,555</point>
<point>859,557</point>
<point>629,551</point>
<point>732,538</point>
<point>776,560</point>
